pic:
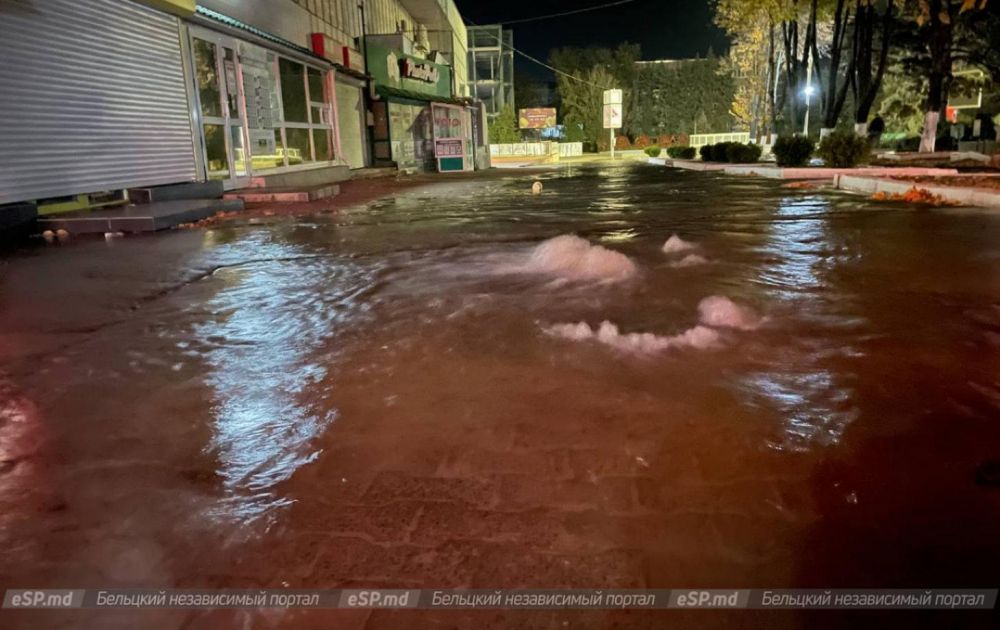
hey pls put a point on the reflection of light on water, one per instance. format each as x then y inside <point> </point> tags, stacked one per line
<point>617,236</point>
<point>796,242</point>
<point>264,349</point>
<point>814,409</point>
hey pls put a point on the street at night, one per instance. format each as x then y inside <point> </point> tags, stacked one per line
<point>406,314</point>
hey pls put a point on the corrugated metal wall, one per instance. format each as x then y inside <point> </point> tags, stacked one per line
<point>92,98</point>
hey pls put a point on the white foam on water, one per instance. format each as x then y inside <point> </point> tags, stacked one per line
<point>722,312</point>
<point>699,337</point>
<point>676,244</point>
<point>691,260</point>
<point>574,258</point>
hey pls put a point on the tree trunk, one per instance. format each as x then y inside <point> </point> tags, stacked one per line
<point>929,138</point>
<point>833,96</point>
<point>939,44</point>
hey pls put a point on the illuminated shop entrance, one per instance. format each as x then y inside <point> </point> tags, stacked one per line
<point>261,112</point>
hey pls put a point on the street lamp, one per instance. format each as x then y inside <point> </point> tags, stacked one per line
<point>808,91</point>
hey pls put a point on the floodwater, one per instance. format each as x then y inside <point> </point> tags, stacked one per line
<point>422,393</point>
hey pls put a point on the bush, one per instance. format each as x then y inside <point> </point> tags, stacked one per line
<point>642,142</point>
<point>653,150</point>
<point>792,150</point>
<point>738,153</point>
<point>720,151</point>
<point>705,151</point>
<point>622,143</point>
<point>681,153</point>
<point>844,149</point>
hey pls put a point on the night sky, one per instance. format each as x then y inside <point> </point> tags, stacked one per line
<point>666,29</point>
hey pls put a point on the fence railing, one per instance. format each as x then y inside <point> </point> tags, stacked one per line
<point>536,149</point>
<point>701,139</point>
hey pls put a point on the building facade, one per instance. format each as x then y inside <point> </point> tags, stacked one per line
<point>491,66</point>
<point>103,95</point>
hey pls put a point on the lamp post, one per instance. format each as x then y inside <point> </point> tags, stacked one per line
<point>808,91</point>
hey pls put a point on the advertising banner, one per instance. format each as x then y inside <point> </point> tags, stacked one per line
<point>537,118</point>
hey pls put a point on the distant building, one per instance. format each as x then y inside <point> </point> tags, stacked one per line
<point>491,66</point>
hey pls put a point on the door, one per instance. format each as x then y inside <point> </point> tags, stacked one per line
<point>222,106</point>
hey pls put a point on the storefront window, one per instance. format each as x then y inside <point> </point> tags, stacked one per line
<point>321,137</point>
<point>293,91</point>
<point>215,151</point>
<point>316,92</point>
<point>208,78</point>
<point>239,154</point>
<point>298,150</point>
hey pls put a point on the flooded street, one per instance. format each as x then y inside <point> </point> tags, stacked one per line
<point>421,393</point>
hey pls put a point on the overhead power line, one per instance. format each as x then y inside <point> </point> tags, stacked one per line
<point>542,63</point>
<point>563,13</point>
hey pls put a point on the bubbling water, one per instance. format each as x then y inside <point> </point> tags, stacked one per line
<point>714,312</point>
<point>722,312</point>
<point>691,260</point>
<point>699,337</point>
<point>574,258</point>
<point>676,244</point>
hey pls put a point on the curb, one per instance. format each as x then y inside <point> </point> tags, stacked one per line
<point>964,196</point>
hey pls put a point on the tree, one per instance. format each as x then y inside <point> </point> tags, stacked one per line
<point>750,25</point>
<point>941,25</point>
<point>583,102</point>
<point>584,74</point>
<point>833,91</point>
<point>680,96</point>
<point>868,70</point>
<point>503,129</point>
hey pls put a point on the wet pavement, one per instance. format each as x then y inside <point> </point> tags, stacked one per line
<point>376,397</point>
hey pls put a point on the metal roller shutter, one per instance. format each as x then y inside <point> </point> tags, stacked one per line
<point>92,97</point>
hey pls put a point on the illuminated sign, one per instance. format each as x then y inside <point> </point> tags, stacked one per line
<point>537,118</point>
<point>420,71</point>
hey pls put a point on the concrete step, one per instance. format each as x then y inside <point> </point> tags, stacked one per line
<point>17,214</point>
<point>373,172</point>
<point>174,192</point>
<point>149,217</point>
<point>284,195</point>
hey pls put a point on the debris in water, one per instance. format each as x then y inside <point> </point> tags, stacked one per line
<point>914,195</point>
<point>575,258</point>
<point>49,236</point>
<point>724,313</point>
<point>110,235</point>
<point>676,244</point>
<point>62,235</point>
<point>536,188</point>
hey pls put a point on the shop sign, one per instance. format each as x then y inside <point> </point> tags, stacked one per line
<point>448,147</point>
<point>419,71</point>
